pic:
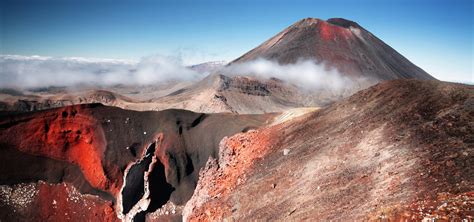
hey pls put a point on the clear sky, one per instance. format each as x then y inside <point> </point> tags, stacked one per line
<point>434,34</point>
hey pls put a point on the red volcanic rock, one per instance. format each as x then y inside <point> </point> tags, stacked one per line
<point>95,148</point>
<point>68,204</point>
<point>331,32</point>
<point>42,201</point>
<point>70,134</point>
<point>237,155</point>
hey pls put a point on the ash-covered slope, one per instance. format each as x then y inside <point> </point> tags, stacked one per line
<point>339,43</point>
<point>400,150</point>
<point>50,160</point>
<point>126,97</point>
<point>245,95</point>
<point>219,93</point>
<point>33,102</point>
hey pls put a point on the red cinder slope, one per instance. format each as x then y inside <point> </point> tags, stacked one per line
<point>401,150</point>
<point>70,134</point>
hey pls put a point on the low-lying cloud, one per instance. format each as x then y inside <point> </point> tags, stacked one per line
<point>304,73</point>
<point>38,71</point>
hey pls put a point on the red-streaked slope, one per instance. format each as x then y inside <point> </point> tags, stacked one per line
<point>401,150</point>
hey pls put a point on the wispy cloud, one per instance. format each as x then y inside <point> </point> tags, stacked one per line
<point>40,71</point>
<point>304,73</point>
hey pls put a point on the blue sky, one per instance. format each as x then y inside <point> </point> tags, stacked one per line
<point>435,35</point>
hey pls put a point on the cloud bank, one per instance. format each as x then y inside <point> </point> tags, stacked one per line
<point>39,71</point>
<point>304,73</point>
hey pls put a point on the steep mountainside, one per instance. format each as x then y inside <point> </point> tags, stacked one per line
<point>401,150</point>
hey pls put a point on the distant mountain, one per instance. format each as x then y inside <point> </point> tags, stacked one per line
<point>34,102</point>
<point>339,43</point>
<point>244,95</point>
<point>238,94</point>
<point>208,67</point>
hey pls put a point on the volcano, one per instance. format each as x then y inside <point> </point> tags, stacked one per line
<point>339,43</point>
<point>336,43</point>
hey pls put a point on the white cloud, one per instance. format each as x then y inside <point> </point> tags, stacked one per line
<point>304,73</point>
<point>40,71</point>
